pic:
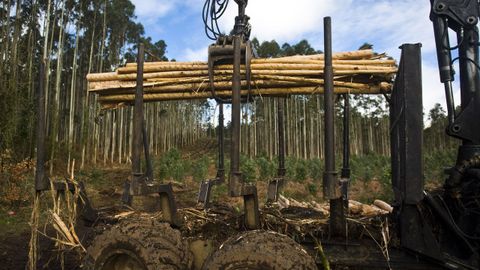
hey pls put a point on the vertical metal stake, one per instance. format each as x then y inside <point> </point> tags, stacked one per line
<point>221,151</point>
<point>345,175</point>
<point>137,122</point>
<point>235,182</point>
<point>330,182</point>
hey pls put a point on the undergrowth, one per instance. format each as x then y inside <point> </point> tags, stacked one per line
<point>17,177</point>
<point>16,181</point>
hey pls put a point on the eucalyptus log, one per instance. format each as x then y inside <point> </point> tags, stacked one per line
<point>285,91</point>
<point>358,72</point>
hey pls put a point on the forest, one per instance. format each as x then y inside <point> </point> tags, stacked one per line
<point>93,144</point>
<point>74,38</point>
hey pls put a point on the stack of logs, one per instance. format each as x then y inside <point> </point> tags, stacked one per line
<point>355,208</point>
<point>356,72</point>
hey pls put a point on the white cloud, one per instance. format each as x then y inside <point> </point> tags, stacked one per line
<point>151,10</point>
<point>281,19</point>
<point>200,54</point>
<point>385,23</point>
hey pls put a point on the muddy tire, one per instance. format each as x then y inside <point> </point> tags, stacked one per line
<point>260,250</point>
<point>139,244</point>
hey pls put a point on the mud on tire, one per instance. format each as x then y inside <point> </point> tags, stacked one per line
<point>260,250</point>
<point>140,243</point>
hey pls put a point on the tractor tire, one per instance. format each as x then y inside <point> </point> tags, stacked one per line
<point>260,250</point>
<point>144,244</point>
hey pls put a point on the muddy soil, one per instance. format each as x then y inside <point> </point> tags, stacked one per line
<point>104,187</point>
<point>14,252</point>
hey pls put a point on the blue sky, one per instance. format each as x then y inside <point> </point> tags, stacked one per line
<point>384,23</point>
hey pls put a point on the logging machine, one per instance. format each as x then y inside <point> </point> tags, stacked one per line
<point>437,230</point>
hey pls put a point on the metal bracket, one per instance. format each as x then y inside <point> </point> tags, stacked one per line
<point>462,128</point>
<point>221,52</point>
<point>273,189</point>
<point>461,13</point>
<point>168,204</point>
<point>250,201</point>
<point>167,200</point>
<point>205,191</point>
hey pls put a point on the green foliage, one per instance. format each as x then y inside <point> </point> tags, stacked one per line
<point>437,114</point>
<point>290,167</point>
<point>436,161</point>
<point>301,48</point>
<point>157,50</point>
<point>172,166</point>
<point>266,168</point>
<point>268,49</point>
<point>199,168</point>
<point>301,170</point>
<point>248,168</point>
<point>297,169</point>
<point>95,175</point>
<point>227,167</point>
<point>312,189</point>
<point>370,167</point>
<point>366,46</point>
<point>315,169</point>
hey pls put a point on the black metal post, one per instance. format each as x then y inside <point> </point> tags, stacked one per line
<point>444,59</point>
<point>235,181</point>
<point>346,137</point>
<point>221,146</point>
<point>406,120</point>
<point>138,118</point>
<point>406,139</point>
<point>345,175</point>
<point>41,182</point>
<point>469,74</point>
<point>148,159</point>
<point>330,182</point>
<point>281,138</point>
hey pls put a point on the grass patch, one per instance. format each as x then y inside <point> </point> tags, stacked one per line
<point>15,223</point>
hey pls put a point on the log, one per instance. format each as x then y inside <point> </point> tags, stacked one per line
<point>356,72</point>
<point>383,205</point>
<point>389,62</point>
<point>268,65</point>
<point>169,67</point>
<point>300,72</point>
<point>256,68</point>
<point>92,77</point>
<point>204,84</point>
<point>359,55</point>
<point>150,97</point>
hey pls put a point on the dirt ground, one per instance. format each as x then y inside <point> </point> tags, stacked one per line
<point>104,187</point>
<point>14,243</point>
